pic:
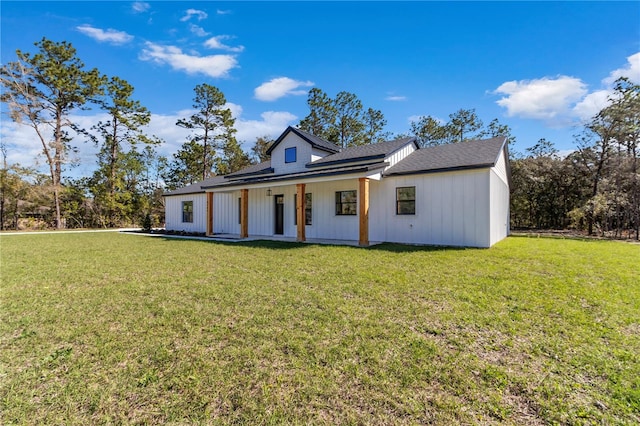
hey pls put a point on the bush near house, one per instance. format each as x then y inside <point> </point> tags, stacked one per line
<point>112,328</point>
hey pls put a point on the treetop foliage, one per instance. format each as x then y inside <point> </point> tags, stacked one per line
<point>463,125</point>
<point>342,120</point>
<point>212,125</point>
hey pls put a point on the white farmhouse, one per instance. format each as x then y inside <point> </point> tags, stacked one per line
<point>453,195</point>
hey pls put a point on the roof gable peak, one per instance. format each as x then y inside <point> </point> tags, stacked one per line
<point>311,139</point>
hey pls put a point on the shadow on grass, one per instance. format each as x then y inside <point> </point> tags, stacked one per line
<point>410,248</point>
<point>268,244</point>
<point>289,245</point>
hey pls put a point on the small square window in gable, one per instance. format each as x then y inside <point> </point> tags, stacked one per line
<point>290,155</point>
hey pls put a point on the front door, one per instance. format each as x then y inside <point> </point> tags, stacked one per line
<point>279,200</point>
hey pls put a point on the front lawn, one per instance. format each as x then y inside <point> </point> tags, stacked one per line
<point>113,328</point>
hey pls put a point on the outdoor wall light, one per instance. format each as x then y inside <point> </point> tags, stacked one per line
<point>268,192</point>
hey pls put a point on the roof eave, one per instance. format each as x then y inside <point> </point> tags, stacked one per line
<point>303,137</point>
<point>440,170</point>
<point>240,175</point>
<point>171,193</point>
<point>346,160</point>
<point>294,176</point>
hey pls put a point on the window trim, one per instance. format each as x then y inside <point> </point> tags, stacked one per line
<point>287,152</point>
<point>412,201</point>
<point>187,211</point>
<point>308,209</point>
<point>340,203</point>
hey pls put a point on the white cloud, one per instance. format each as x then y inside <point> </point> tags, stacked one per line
<point>24,147</point>
<point>140,6</point>
<point>212,65</point>
<point>22,144</point>
<point>563,100</point>
<point>631,70</point>
<point>272,123</point>
<point>395,98</point>
<point>279,87</point>
<point>216,43</point>
<point>199,31</point>
<point>109,36</point>
<point>223,12</point>
<point>593,103</point>
<point>545,98</point>
<point>189,13</point>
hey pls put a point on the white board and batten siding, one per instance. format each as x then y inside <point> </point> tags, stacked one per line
<point>317,154</point>
<point>499,199</point>
<point>304,154</point>
<point>325,224</point>
<point>173,213</point>
<point>447,210</point>
<point>400,154</point>
<point>226,212</point>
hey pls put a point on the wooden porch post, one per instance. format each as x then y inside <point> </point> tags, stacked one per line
<point>364,211</point>
<point>300,211</point>
<point>209,214</point>
<point>244,213</point>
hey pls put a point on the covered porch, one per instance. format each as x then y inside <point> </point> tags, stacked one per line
<point>302,211</point>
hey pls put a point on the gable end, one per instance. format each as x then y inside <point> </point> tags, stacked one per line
<point>312,140</point>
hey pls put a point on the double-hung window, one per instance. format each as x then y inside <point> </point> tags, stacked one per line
<point>187,211</point>
<point>406,200</point>
<point>346,203</point>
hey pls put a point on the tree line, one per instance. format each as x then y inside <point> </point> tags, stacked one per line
<point>595,188</point>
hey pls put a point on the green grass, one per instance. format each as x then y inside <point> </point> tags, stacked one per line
<point>112,329</point>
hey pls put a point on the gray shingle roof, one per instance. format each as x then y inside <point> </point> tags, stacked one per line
<point>455,156</point>
<point>256,169</point>
<point>195,188</point>
<point>345,169</point>
<point>315,141</point>
<point>364,152</point>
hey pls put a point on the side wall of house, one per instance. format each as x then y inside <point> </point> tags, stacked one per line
<point>450,209</point>
<point>465,208</point>
<point>173,213</point>
<point>499,201</point>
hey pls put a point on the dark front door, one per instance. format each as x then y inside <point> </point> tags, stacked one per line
<point>279,200</point>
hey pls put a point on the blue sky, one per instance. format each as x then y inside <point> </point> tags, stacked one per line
<point>540,67</point>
